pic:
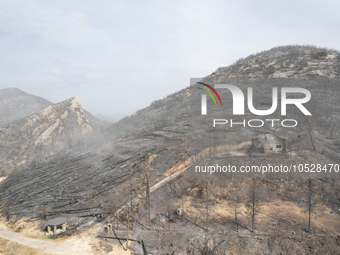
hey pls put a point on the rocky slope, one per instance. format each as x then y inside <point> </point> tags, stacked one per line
<point>54,129</point>
<point>285,62</point>
<point>155,142</point>
<point>16,104</point>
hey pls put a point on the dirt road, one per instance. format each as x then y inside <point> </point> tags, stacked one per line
<point>47,246</point>
<point>62,247</point>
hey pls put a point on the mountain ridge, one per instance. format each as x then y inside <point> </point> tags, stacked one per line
<point>16,104</point>
<point>45,133</point>
<point>285,62</point>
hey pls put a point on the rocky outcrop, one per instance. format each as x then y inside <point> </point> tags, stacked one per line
<point>52,130</point>
<point>16,104</point>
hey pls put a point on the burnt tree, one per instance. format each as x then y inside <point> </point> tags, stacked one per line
<point>252,205</point>
<point>147,196</point>
<point>309,202</point>
<point>207,206</point>
<point>131,195</point>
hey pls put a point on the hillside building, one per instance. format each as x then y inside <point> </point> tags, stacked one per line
<point>268,143</point>
<point>56,225</point>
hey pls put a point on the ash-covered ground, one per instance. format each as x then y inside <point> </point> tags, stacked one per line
<point>143,163</point>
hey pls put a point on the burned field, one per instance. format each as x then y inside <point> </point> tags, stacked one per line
<point>215,215</point>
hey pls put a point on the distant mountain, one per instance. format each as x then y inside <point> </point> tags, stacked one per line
<point>105,118</point>
<point>97,123</point>
<point>16,104</point>
<point>53,130</point>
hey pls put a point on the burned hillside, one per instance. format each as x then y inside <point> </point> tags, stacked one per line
<point>149,153</point>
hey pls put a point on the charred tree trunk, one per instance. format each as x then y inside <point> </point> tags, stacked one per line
<point>127,234</point>
<point>131,196</point>
<point>131,207</point>
<point>309,203</point>
<point>253,207</point>
<point>207,204</point>
<point>147,198</point>
<point>8,216</point>
<point>117,219</point>
<point>252,204</point>
<point>236,217</point>
<point>168,204</point>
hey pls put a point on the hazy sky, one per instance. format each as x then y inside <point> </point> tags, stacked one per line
<point>120,56</point>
